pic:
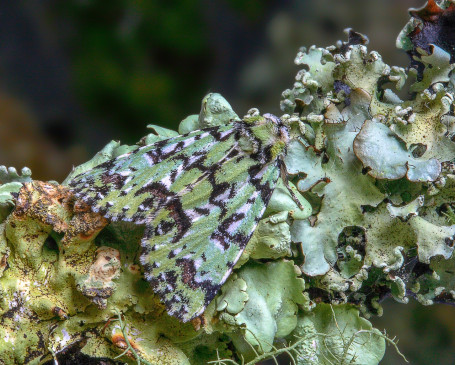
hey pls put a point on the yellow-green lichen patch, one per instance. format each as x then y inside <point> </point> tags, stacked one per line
<point>132,332</point>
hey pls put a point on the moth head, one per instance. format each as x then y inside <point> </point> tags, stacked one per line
<point>280,129</point>
<point>295,126</point>
<point>276,135</point>
<point>270,134</point>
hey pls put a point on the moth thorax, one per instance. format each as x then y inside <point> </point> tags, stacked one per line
<point>248,144</point>
<point>280,130</point>
<point>272,131</point>
<point>283,133</point>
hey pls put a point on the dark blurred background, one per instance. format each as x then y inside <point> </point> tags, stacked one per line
<point>75,74</point>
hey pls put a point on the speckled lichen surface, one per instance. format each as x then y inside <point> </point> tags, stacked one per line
<point>373,168</point>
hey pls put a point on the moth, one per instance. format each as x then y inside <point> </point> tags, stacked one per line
<point>200,197</point>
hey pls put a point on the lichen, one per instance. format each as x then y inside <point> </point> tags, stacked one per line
<point>375,179</point>
<point>337,335</point>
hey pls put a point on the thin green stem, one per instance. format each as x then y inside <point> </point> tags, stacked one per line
<point>129,348</point>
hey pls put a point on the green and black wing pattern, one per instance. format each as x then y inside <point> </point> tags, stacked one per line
<point>200,197</point>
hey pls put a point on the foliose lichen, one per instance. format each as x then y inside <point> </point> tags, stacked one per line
<point>375,176</point>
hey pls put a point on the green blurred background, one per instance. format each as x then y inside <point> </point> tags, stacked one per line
<point>75,74</point>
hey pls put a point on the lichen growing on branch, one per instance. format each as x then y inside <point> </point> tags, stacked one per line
<point>369,214</point>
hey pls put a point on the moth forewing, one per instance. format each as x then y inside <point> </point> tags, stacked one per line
<point>200,196</point>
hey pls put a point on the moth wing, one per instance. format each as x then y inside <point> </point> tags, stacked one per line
<point>192,244</point>
<point>133,186</point>
<point>199,195</point>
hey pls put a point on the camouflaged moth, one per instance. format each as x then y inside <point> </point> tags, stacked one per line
<point>200,197</point>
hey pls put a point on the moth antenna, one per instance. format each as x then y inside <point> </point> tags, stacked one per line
<point>284,177</point>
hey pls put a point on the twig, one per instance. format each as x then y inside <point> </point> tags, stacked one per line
<point>269,354</point>
<point>129,348</point>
